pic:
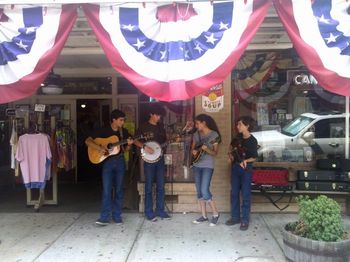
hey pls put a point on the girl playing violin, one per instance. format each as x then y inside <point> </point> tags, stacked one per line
<point>242,154</point>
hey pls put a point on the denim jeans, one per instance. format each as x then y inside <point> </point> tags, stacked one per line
<point>241,182</point>
<point>203,178</point>
<point>154,172</point>
<point>113,171</point>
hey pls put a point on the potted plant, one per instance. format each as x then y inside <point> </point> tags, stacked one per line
<point>319,234</point>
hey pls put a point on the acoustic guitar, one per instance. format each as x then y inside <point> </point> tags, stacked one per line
<point>200,151</point>
<point>112,144</point>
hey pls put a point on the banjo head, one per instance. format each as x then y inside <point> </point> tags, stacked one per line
<point>157,154</point>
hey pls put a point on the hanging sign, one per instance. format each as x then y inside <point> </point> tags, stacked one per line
<point>10,112</point>
<point>39,108</point>
<point>213,100</point>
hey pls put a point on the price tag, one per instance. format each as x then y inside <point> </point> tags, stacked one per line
<point>39,108</point>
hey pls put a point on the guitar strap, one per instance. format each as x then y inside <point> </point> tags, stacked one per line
<point>121,138</point>
<point>199,137</point>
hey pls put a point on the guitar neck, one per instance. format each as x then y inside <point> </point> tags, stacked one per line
<point>122,142</point>
<point>119,143</point>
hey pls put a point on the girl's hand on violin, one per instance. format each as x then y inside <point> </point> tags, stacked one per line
<point>243,164</point>
<point>194,152</point>
<point>230,157</point>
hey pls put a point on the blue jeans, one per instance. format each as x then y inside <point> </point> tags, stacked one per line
<point>203,178</point>
<point>112,175</point>
<point>154,172</point>
<point>241,182</point>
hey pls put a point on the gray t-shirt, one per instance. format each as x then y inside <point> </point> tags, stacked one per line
<point>206,161</point>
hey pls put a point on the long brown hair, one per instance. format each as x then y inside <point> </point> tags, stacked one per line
<point>210,122</point>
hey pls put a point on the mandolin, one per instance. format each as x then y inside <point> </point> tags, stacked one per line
<point>200,151</point>
<point>113,147</point>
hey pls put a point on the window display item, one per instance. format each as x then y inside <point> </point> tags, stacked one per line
<point>323,186</point>
<point>278,177</point>
<point>328,164</point>
<point>324,175</point>
<point>318,175</point>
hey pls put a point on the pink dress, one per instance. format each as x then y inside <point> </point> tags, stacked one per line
<point>34,155</point>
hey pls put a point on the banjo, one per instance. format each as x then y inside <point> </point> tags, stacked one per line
<point>158,148</point>
<point>157,152</point>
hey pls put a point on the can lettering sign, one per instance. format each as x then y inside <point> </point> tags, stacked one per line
<point>213,100</point>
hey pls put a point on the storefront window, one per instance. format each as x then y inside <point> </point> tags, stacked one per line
<point>297,120</point>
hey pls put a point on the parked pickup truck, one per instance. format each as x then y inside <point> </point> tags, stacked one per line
<point>302,138</point>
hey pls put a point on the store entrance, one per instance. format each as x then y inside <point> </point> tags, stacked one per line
<point>94,114</point>
<point>91,115</point>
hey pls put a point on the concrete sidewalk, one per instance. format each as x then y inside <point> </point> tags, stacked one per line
<point>74,237</point>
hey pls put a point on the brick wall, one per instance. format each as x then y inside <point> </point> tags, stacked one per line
<point>220,186</point>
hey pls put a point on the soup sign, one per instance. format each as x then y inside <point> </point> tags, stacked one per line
<point>213,100</point>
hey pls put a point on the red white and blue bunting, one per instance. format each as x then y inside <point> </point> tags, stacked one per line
<point>320,32</point>
<point>177,51</point>
<point>172,52</point>
<point>31,38</point>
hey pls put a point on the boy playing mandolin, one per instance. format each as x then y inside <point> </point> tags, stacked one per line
<point>113,169</point>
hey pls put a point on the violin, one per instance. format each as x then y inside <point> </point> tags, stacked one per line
<point>237,150</point>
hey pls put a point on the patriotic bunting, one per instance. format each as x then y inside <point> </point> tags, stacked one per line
<point>320,32</point>
<point>253,69</point>
<point>31,38</point>
<point>177,51</point>
<point>174,52</point>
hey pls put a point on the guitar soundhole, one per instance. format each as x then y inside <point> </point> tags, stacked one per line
<point>109,146</point>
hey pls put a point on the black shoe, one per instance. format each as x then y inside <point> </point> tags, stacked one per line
<point>214,220</point>
<point>232,222</point>
<point>164,215</point>
<point>244,226</point>
<point>101,222</point>
<point>151,218</point>
<point>200,220</point>
<point>118,221</point>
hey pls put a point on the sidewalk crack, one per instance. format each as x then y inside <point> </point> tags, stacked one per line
<point>272,234</point>
<point>54,241</point>
<point>135,240</point>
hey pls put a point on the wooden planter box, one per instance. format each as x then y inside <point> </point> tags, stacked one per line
<point>302,249</point>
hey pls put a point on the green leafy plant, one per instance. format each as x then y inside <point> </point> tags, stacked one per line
<point>319,219</point>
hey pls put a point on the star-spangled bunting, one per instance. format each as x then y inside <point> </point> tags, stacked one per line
<point>320,32</point>
<point>31,38</point>
<point>174,52</point>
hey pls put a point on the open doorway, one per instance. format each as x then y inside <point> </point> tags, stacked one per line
<point>91,114</point>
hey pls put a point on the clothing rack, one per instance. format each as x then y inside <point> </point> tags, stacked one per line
<point>38,203</point>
